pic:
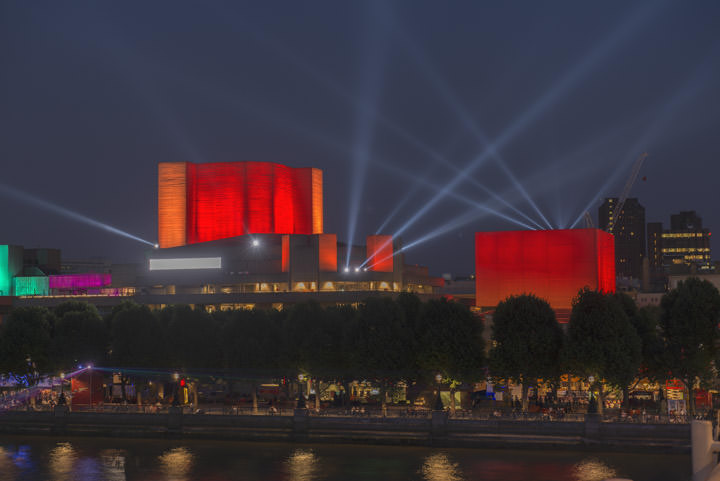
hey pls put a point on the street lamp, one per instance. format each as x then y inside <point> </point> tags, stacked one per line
<point>592,407</point>
<point>176,393</point>
<point>301,398</point>
<point>61,399</point>
<point>438,401</point>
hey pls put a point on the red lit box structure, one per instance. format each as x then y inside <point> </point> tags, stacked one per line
<point>206,202</point>
<point>552,264</point>
<point>379,253</point>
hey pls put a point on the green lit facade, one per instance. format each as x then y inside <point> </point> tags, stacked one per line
<point>11,264</point>
<point>31,286</point>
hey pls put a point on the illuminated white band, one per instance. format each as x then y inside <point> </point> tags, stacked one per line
<point>186,263</point>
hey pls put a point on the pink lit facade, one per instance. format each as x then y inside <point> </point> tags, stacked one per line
<point>80,281</point>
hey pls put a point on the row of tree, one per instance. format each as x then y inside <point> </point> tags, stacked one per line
<point>610,341</point>
<point>382,339</point>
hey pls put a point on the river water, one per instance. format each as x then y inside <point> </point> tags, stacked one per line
<point>92,459</point>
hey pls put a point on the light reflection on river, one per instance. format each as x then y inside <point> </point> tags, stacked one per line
<point>95,459</point>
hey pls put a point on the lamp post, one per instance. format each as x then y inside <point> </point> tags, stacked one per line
<point>592,407</point>
<point>438,401</point>
<point>90,401</point>
<point>61,399</point>
<point>301,397</point>
<point>176,391</point>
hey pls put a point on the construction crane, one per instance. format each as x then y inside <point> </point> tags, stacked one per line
<point>617,211</point>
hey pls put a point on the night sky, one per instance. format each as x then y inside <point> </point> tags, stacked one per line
<point>390,99</point>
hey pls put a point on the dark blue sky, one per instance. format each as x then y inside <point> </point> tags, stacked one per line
<point>380,96</point>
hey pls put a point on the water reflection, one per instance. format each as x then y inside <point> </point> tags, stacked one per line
<point>62,459</point>
<point>8,469</point>
<point>593,470</point>
<point>113,463</point>
<point>176,464</point>
<point>438,467</point>
<point>302,465</point>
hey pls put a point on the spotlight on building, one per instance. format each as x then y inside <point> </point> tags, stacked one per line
<point>156,246</point>
<point>357,269</point>
<point>347,269</point>
<point>255,242</point>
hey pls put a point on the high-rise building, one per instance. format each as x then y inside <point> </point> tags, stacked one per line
<point>630,248</point>
<point>654,237</point>
<point>684,247</point>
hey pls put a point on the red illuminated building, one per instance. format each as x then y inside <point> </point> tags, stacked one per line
<point>207,202</point>
<point>552,264</point>
<point>380,253</point>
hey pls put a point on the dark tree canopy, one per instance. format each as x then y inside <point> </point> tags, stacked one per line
<point>382,339</point>
<point>191,339</point>
<point>80,336</point>
<point>601,340</point>
<point>527,340</point>
<point>449,341</point>
<point>689,326</point>
<point>25,344</point>
<point>137,339</point>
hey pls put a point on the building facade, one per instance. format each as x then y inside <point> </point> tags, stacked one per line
<point>630,242</point>
<point>683,248</point>
<point>551,264</point>
<point>233,235</point>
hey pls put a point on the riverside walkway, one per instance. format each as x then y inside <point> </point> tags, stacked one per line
<point>397,426</point>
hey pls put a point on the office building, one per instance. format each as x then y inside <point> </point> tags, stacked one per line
<point>629,232</point>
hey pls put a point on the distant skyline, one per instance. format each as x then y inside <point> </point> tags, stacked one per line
<point>393,100</point>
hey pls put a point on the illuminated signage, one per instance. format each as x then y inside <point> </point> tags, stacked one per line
<point>186,263</point>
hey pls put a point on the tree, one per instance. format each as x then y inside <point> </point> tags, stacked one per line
<point>601,341</point>
<point>689,327</point>
<point>192,339</point>
<point>382,338</point>
<point>80,335</point>
<point>246,340</point>
<point>25,345</point>
<point>647,325</point>
<point>450,343</point>
<point>527,341</point>
<point>136,340</point>
<point>644,321</point>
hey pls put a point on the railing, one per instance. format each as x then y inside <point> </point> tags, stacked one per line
<point>369,411</point>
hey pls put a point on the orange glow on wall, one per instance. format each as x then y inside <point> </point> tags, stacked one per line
<point>380,253</point>
<point>327,258</point>
<point>285,253</point>
<point>172,188</point>
<point>205,202</point>
<point>317,201</point>
<point>552,264</point>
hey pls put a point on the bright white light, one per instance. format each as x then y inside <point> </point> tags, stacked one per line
<point>357,269</point>
<point>186,263</point>
<point>156,246</point>
<point>347,269</point>
<point>255,242</point>
<point>365,269</point>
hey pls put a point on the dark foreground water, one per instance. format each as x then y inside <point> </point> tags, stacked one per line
<point>91,459</point>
